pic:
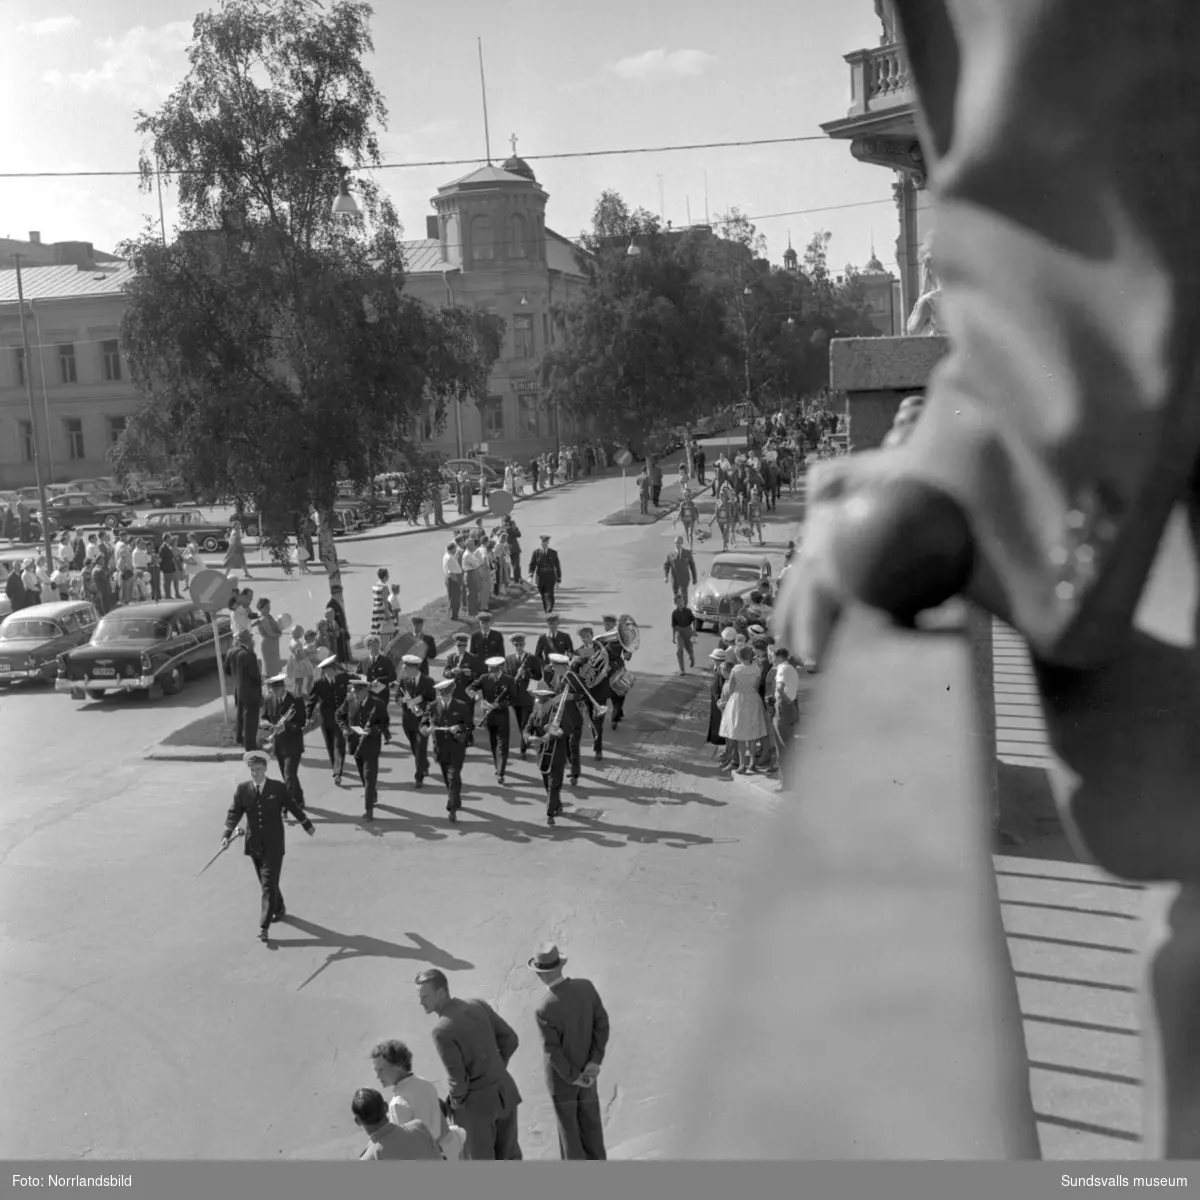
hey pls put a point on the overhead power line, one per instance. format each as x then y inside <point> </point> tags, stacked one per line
<point>441,162</point>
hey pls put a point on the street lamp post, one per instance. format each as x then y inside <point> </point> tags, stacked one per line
<point>33,428</point>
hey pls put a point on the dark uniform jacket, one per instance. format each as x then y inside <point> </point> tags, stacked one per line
<point>522,668</point>
<point>475,1045</point>
<point>382,668</point>
<point>560,643</point>
<point>574,1026</point>
<point>490,647</point>
<point>471,667</point>
<point>431,652</point>
<point>498,690</point>
<point>545,565</point>
<point>419,689</point>
<point>370,714</point>
<point>328,695</point>
<point>455,712</point>
<point>286,708</point>
<point>264,816</point>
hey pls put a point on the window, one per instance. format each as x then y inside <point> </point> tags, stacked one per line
<point>516,226</point>
<point>73,427</point>
<point>527,415</point>
<point>19,365</point>
<point>482,248</point>
<point>111,351</point>
<point>66,363</point>
<point>25,429</point>
<point>493,418</point>
<point>116,427</point>
<point>523,336</point>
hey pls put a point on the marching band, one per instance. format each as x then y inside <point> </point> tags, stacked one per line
<point>554,693</point>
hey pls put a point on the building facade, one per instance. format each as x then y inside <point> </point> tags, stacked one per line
<point>881,128</point>
<point>81,388</point>
<point>488,248</point>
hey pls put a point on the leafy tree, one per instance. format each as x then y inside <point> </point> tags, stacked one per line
<point>614,224</point>
<point>271,341</point>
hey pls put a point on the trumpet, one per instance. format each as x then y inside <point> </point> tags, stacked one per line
<point>429,727</point>
<point>414,704</point>
<point>271,731</point>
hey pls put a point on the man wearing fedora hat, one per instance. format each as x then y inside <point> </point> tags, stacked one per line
<point>262,802</point>
<point>475,1045</point>
<point>327,696</point>
<point>574,1026</point>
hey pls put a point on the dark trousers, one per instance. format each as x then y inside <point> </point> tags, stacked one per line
<point>288,758</point>
<point>618,709</point>
<point>155,581</point>
<point>580,1128</point>
<point>598,733</point>
<point>335,747</point>
<point>515,559</point>
<point>368,772</point>
<point>247,719</point>
<point>490,1123</point>
<point>418,745</point>
<point>574,741</point>
<point>451,763</point>
<point>700,475</point>
<point>552,781</point>
<point>655,493</point>
<point>499,729</point>
<point>546,589</point>
<point>454,590</point>
<point>784,720</point>
<point>268,868</point>
<point>523,715</point>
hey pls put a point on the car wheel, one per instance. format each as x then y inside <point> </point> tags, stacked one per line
<point>378,518</point>
<point>172,682</point>
<point>210,545</point>
<point>94,694</point>
<point>110,522</point>
<point>158,502</point>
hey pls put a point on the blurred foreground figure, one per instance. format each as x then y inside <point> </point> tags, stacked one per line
<point>1063,144</point>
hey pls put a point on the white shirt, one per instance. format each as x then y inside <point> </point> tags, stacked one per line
<point>416,1099</point>
<point>451,565</point>
<point>787,681</point>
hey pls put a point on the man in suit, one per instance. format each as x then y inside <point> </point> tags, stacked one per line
<point>553,641</point>
<point>679,568</point>
<point>242,664</point>
<point>475,1045</point>
<point>327,696</point>
<point>487,642</point>
<point>453,723</point>
<point>415,694</point>
<point>262,802</point>
<point>574,1027</point>
<point>496,691</point>
<point>524,668</point>
<point>377,665</point>
<point>285,712</point>
<point>546,571</point>
<point>365,709</point>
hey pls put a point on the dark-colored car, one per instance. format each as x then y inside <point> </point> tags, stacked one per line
<point>144,647</point>
<point>31,639</point>
<point>74,509</point>
<point>213,536</point>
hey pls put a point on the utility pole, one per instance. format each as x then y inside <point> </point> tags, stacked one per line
<point>33,428</point>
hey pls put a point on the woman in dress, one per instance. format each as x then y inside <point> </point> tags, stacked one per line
<point>379,591</point>
<point>300,668</point>
<point>743,717</point>
<point>192,562</point>
<point>720,673</point>
<point>270,633</point>
<point>235,556</point>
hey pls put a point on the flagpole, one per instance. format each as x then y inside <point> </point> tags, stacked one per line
<point>487,138</point>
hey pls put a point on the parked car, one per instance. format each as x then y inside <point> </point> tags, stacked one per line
<point>213,536</point>
<point>107,490</point>
<point>73,509</point>
<point>731,574</point>
<point>474,468</point>
<point>31,639</point>
<point>143,647</point>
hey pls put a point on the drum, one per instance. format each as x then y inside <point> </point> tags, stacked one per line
<point>621,681</point>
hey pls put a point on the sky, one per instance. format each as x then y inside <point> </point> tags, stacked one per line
<point>563,75</point>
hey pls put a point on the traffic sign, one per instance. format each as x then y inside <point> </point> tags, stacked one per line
<point>623,458</point>
<point>211,591</point>
<point>500,503</point>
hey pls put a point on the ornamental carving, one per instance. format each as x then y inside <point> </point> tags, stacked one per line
<point>901,154</point>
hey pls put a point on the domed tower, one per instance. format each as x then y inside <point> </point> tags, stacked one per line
<point>791,261</point>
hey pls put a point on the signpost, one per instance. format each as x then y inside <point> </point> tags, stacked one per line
<point>623,458</point>
<point>211,591</point>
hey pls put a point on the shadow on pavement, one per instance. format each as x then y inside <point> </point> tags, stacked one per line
<point>348,946</point>
<point>417,824</point>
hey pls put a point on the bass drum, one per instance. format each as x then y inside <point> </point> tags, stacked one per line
<point>621,681</point>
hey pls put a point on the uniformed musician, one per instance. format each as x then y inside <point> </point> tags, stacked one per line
<point>552,751</point>
<point>572,714</point>
<point>286,716</point>
<point>327,696</point>
<point>376,664</point>
<point>618,656</point>
<point>463,669</point>
<point>415,694</point>
<point>553,641</point>
<point>495,689</point>
<point>262,802</point>
<point>364,720</point>
<point>525,669</point>
<point>487,642</point>
<point>450,722</point>
<point>600,690</point>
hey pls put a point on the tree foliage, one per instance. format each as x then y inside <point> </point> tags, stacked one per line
<point>272,342</point>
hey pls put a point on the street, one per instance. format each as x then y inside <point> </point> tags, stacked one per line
<point>193,1040</point>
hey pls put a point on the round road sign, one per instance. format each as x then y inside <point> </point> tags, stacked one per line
<point>500,503</point>
<point>623,458</point>
<point>211,591</point>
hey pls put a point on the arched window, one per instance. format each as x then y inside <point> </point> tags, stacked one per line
<point>482,244</point>
<point>518,247</point>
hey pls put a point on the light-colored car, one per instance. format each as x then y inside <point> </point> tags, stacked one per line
<point>732,573</point>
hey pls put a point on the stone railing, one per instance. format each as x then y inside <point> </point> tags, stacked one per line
<point>879,79</point>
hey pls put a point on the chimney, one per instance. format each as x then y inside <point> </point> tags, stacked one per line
<point>74,254</point>
<point>35,237</point>
<point>431,228</point>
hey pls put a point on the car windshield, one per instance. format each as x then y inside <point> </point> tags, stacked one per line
<point>120,628</point>
<point>728,570</point>
<point>19,631</point>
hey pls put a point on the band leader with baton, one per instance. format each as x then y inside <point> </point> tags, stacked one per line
<point>262,802</point>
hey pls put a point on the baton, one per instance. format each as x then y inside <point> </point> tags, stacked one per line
<point>240,833</point>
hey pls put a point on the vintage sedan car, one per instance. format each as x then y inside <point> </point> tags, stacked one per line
<point>732,574</point>
<point>143,647</point>
<point>474,467</point>
<point>31,639</point>
<point>213,536</point>
<point>73,509</point>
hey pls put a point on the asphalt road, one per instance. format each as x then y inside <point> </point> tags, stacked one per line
<point>142,997</point>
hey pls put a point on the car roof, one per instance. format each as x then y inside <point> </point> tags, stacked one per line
<point>58,608</point>
<point>746,560</point>
<point>155,608</point>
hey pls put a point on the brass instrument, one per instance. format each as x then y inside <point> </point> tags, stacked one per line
<point>414,704</point>
<point>429,727</point>
<point>554,732</point>
<point>598,709</point>
<point>271,731</point>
